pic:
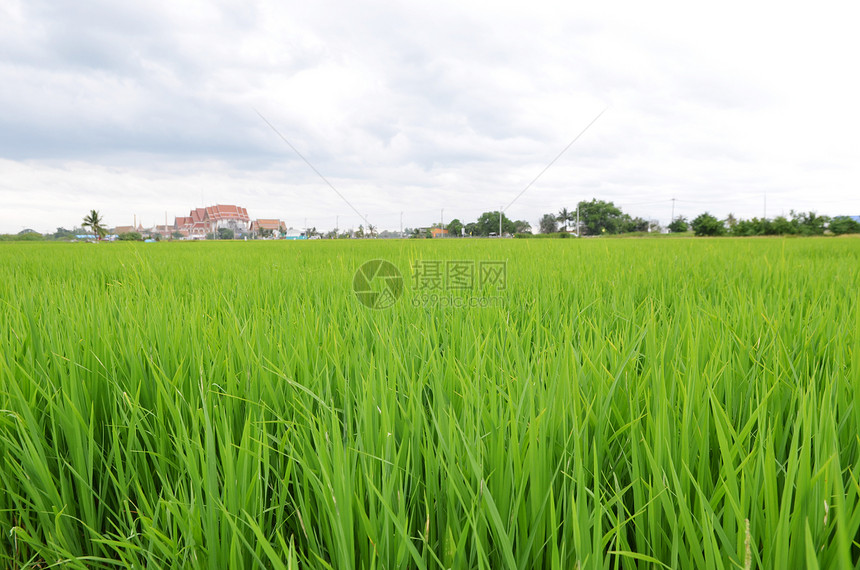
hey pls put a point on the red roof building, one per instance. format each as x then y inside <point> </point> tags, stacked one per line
<point>267,224</point>
<point>202,221</point>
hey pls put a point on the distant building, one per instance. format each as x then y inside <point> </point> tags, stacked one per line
<point>126,229</point>
<point>294,234</point>
<point>438,232</point>
<point>202,221</point>
<point>191,226</point>
<point>267,225</point>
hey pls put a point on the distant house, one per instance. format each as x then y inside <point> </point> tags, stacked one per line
<point>189,227</point>
<point>202,221</point>
<point>126,229</point>
<point>438,232</point>
<point>163,230</point>
<point>267,225</point>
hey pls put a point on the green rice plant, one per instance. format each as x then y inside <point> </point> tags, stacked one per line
<point>666,403</point>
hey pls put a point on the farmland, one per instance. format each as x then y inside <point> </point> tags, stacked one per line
<point>680,403</point>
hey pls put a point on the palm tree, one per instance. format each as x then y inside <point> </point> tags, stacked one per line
<point>564,216</point>
<point>371,229</point>
<point>731,221</point>
<point>95,223</point>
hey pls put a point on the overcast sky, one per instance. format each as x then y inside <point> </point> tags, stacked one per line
<point>149,109</point>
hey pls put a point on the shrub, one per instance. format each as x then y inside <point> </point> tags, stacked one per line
<point>679,225</point>
<point>707,225</point>
<point>844,225</point>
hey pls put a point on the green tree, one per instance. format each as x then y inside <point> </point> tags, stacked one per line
<point>455,228</point>
<point>24,235</point>
<point>678,225</point>
<point>225,233</point>
<point>63,233</point>
<point>548,224</point>
<point>742,228</point>
<point>808,223</point>
<point>522,227</point>
<point>564,216</point>
<point>780,226</point>
<point>628,224</point>
<point>707,225</point>
<point>762,227</point>
<point>130,236</point>
<point>731,221</point>
<point>844,225</point>
<point>598,217</point>
<point>488,224</point>
<point>95,222</point>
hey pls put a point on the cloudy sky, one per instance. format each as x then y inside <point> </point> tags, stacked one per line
<point>149,109</point>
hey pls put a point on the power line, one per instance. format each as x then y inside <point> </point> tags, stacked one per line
<point>564,150</point>
<point>324,179</point>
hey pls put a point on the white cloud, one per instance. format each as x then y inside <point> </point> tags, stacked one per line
<point>140,108</point>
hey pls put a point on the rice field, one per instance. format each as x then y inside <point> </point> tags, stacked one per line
<point>676,403</point>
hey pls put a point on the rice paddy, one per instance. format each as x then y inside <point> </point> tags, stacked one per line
<point>677,403</point>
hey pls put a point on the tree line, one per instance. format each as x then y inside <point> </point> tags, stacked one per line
<point>589,218</point>
<point>797,223</point>
<point>594,218</point>
<point>486,225</point>
<point>599,217</point>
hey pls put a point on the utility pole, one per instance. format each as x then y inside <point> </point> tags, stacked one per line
<point>765,204</point>
<point>401,223</point>
<point>336,224</point>
<point>442,223</point>
<point>577,219</point>
<point>500,220</point>
<point>672,219</point>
